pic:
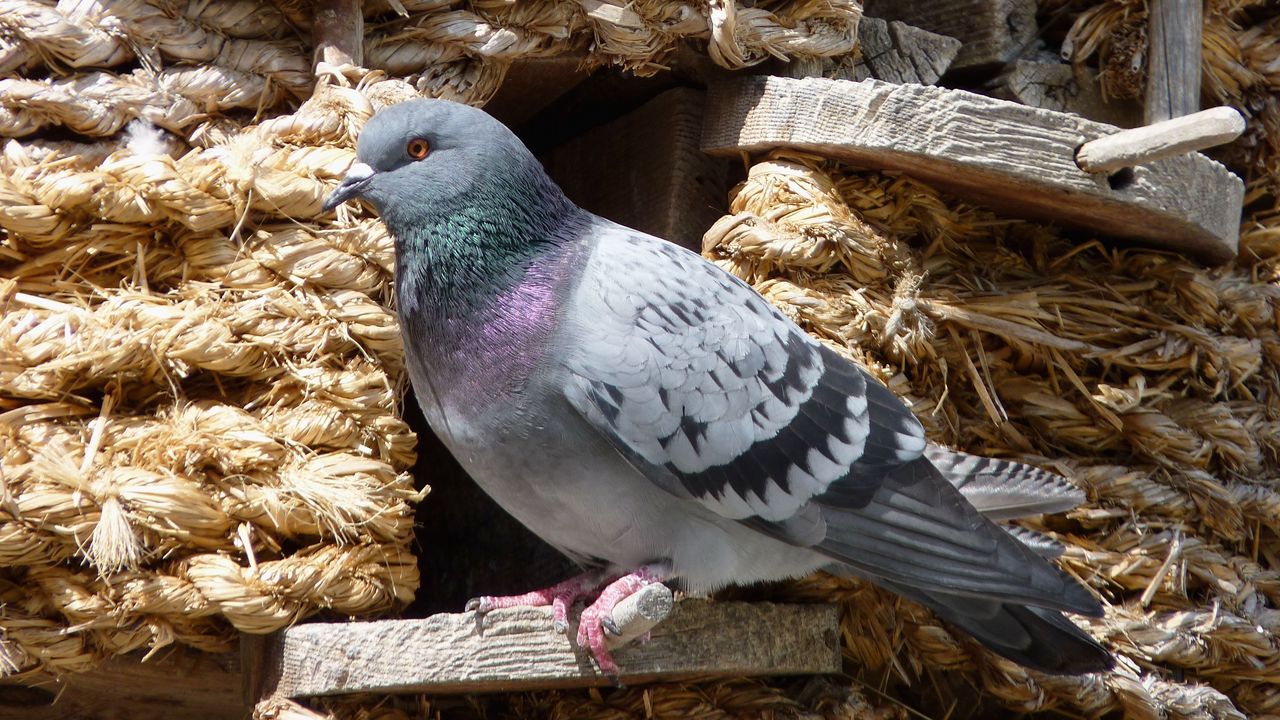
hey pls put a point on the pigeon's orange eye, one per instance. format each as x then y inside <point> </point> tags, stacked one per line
<point>418,148</point>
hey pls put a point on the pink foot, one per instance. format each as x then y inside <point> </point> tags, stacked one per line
<point>599,615</point>
<point>559,596</point>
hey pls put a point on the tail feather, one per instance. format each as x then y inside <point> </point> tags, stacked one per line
<point>1037,638</point>
<point>1004,489</point>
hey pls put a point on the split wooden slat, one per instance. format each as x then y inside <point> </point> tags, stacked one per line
<point>517,649</point>
<point>993,32</point>
<point>1016,159</point>
<point>897,52</point>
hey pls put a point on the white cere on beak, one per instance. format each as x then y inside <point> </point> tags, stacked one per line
<point>358,172</point>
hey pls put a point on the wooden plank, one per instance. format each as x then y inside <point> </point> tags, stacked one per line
<point>645,170</point>
<point>516,649</point>
<point>1056,86</point>
<point>1169,138</point>
<point>1016,159</point>
<point>1174,30</point>
<point>178,684</point>
<point>993,32</point>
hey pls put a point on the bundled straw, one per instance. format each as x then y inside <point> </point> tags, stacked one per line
<point>199,59</point>
<point>201,390</point>
<point>1150,380</point>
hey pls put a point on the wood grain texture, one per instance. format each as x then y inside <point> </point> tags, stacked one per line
<point>894,51</point>
<point>1174,29</point>
<point>516,649</point>
<point>1056,86</point>
<point>180,684</point>
<point>1016,159</point>
<point>1168,138</point>
<point>993,32</point>
<point>645,170</point>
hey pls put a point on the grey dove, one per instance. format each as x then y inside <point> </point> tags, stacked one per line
<point>656,420</point>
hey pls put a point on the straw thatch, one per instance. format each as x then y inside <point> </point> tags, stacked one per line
<point>200,376</point>
<point>176,62</point>
<point>201,411</point>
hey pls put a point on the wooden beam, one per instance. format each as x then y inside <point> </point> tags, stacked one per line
<point>1169,138</point>
<point>516,649</point>
<point>1174,30</point>
<point>1016,159</point>
<point>175,684</point>
<point>993,32</point>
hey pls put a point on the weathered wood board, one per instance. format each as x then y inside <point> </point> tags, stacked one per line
<point>516,649</point>
<point>1016,159</point>
<point>177,684</point>
<point>993,32</point>
<point>646,171</point>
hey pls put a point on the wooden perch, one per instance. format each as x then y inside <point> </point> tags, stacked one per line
<point>1179,136</point>
<point>1016,159</point>
<point>516,649</point>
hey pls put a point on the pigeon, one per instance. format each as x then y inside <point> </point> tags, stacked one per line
<point>655,419</point>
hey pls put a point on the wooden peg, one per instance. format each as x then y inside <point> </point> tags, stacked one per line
<point>1169,138</point>
<point>640,612</point>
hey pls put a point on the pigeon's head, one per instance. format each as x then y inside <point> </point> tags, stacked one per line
<point>417,155</point>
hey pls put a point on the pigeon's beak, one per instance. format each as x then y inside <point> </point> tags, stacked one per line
<point>358,176</point>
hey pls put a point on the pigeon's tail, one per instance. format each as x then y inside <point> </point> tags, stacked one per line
<point>1003,489</point>
<point>1036,638</point>
<point>917,535</point>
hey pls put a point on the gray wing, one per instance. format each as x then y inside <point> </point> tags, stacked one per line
<point>715,396</point>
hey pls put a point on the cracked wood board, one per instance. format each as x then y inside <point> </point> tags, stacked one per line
<point>515,649</point>
<point>1016,159</point>
<point>897,52</point>
<point>993,32</point>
